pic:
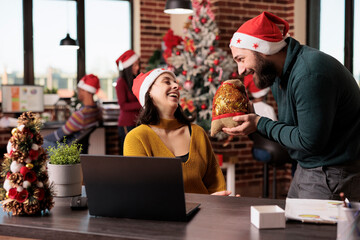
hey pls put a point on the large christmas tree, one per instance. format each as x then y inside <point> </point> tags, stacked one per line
<point>26,189</point>
<point>200,66</point>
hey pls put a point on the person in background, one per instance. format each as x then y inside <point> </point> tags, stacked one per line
<point>86,117</point>
<point>318,108</point>
<point>129,67</point>
<point>165,131</point>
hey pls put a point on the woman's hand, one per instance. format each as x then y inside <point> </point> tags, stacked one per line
<point>224,193</point>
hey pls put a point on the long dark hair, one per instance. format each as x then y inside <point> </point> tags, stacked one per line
<point>129,76</point>
<point>150,115</point>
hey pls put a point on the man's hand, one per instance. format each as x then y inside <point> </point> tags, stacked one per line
<point>247,124</point>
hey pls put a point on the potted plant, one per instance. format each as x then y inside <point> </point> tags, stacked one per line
<point>65,169</point>
<point>50,96</point>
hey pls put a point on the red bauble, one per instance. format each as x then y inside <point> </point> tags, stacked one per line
<point>210,79</point>
<point>217,37</point>
<point>188,84</point>
<point>197,30</point>
<point>211,69</point>
<point>203,106</point>
<point>190,17</point>
<point>178,53</point>
<point>203,20</point>
<point>234,74</point>
<point>184,73</point>
<point>216,62</point>
<point>195,67</point>
<point>211,48</point>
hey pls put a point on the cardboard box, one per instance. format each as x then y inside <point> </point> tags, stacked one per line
<point>268,216</point>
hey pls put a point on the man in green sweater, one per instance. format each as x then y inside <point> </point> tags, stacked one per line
<point>318,108</point>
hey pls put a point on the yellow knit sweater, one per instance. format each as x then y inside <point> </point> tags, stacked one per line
<point>201,172</point>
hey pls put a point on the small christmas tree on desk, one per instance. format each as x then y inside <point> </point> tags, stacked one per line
<point>26,189</point>
<point>199,64</point>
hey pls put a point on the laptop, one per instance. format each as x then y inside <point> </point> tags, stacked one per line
<point>136,187</point>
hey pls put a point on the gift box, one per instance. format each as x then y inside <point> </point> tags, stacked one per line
<point>267,216</point>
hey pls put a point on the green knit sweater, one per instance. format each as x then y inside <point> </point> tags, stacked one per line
<point>319,109</point>
<point>201,172</point>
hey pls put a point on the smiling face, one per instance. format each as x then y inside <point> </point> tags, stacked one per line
<point>250,62</point>
<point>165,94</point>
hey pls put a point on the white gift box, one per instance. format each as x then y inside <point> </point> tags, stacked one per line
<point>268,216</point>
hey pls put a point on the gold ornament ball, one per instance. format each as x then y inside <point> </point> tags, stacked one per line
<point>13,131</point>
<point>29,165</point>
<point>7,195</point>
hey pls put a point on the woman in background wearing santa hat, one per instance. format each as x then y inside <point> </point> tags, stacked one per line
<point>165,131</point>
<point>129,67</point>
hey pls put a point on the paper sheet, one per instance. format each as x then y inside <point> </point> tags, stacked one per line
<point>312,210</point>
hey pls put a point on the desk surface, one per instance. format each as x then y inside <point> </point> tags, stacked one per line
<point>219,218</point>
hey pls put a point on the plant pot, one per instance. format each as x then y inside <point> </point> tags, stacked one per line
<point>51,99</point>
<point>67,179</point>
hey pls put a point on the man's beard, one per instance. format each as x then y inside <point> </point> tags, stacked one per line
<point>265,72</point>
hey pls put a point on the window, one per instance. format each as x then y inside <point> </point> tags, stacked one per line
<point>11,42</point>
<point>38,26</point>
<point>107,36</point>
<point>333,26</point>
<point>356,61</point>
<point>54,67</point>
<point>332,29</point>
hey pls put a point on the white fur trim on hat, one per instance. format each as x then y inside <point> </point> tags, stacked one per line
<point>260,93</point>
<point>148,81</point>
<point>86,87</point>
<point>130,61</point>
<point>241,40</point>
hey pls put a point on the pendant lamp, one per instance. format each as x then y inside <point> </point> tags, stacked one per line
<point>178,7</point>
<point>69,42</point>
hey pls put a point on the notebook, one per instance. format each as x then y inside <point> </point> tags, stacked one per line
<point>135,187</point>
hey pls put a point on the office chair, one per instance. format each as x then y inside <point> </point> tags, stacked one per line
<point>83,138</point>
<point>268,152</point>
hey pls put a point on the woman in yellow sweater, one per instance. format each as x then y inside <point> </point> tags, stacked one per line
<point>165,131</point>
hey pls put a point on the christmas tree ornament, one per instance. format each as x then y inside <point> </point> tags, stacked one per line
<point>188,85</point>
<point>203,20</point>
<point>197,30</point>
<point>190,17</point>
<point>217,38</point>
<point>216,62</point>
<point>203,106</point>
<point>230,100</point>
<point>211,69</point>
<point>184,73</point>
<point>178,53</point>
<point>24,165</point>
<point>210,79</point>
<point>234,75</point>
<point>211,48</point>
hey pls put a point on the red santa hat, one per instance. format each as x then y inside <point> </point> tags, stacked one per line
<point>251,87</point>
<point>89,83</point>
<point>261,34</point>
<point>143,82</point>
<point>127,59</point>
